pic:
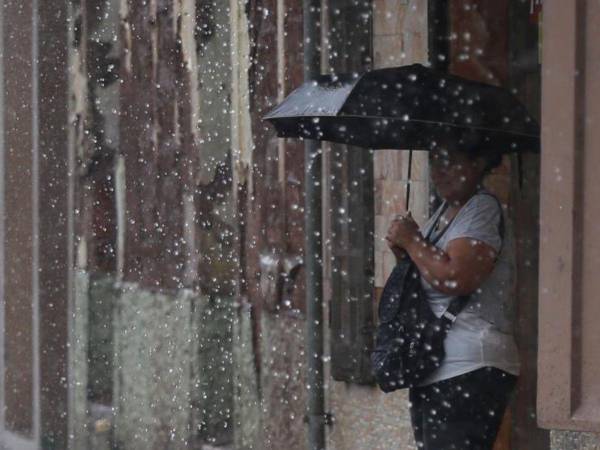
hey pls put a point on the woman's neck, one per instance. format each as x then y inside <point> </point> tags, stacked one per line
<point>454,205</point>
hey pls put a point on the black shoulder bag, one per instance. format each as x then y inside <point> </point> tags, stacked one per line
<point>409,343</point>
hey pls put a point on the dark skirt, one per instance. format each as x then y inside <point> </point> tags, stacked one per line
<point>461,413</point>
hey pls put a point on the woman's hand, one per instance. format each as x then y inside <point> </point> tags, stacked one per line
<point>398,252</point>
<point>402,231</point>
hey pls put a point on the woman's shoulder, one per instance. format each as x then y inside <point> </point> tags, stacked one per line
<point>480,219</point>
<point>482,204</point>
<point>484,199</point>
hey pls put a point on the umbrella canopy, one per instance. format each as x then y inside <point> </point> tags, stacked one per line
<point>409,107</point>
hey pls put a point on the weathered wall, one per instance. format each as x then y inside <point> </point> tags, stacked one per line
<point>157,144</point>
<point>94,136</point>
<point>170,359</point>
<point>267,41</point>
<point>269,411</point>
<point>154,202</point>
<point>157,341</point>
<point>153,353</point>
<point>102,295</point>
<point>78,367</point>
<point>247,414</point>
<point>212,392</point>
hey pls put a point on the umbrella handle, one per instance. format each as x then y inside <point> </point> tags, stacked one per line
<point>407,200</point>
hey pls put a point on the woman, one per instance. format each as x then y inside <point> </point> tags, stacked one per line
<point>461,405</point>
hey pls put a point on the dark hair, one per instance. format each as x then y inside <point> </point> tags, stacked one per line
<point>492,158</point>
<point>469,144</point>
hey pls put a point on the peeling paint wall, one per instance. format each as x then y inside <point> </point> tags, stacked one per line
<point>364,417</point>
<point>94,95</point>
<point>248,427</point>
<point>154,344</point>
<point>156,144</point>
<point>171,359</point>
<point>241,134</point>
<point>173,370</point>
<point>155,213</point>
<point>213,42</point>
<point>102,296</point>
<point>212,390</point>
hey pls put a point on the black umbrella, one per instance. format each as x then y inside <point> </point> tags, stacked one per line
<point>409,107</point>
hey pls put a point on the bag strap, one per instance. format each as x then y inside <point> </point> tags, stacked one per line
<point>439,214</point>
<point>434,225</point>
<point>457,304</point>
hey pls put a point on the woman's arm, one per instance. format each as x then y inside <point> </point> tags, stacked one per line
<point>458,271</point>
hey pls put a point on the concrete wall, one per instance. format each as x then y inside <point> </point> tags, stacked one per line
<point>568,387</point>
<point>572,440</point>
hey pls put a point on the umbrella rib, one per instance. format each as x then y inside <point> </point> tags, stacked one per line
<point>353,116</point>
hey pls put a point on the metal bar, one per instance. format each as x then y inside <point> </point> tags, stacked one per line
<point>409,175</point>
<point>312,245</point>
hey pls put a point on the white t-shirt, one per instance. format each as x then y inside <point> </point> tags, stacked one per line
<point>483,334</point>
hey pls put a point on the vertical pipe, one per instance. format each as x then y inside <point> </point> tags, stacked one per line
<point>35,232</point>
<point>2,221</point>
<point>312,245</point>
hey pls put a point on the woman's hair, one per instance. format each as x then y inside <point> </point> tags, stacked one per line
<point>471,145</point>
<point>492,158</point>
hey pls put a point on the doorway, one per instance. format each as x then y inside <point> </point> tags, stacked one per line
<point>498,42</point>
